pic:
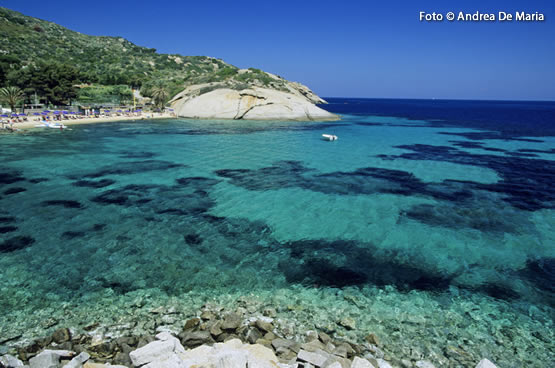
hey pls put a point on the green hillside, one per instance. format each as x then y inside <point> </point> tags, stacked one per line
<point>29,45</point>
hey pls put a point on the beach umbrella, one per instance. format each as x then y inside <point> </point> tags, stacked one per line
<point>119,111</point>
<point>65,112</point>
<point>106,110</point>
<point>36,113</point>
<point>4,116</point>
<point>56,112</point>
<point>46,111</point>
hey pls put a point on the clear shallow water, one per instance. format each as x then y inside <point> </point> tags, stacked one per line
<point>432,233</point>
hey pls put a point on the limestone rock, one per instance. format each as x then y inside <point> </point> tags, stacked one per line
<point>9,361</point>
<point>191,323</point>
<point>231,322</point>
<point>46,359</point>
<point>78,361</point>
<point>165,348</point>
<point>194,339</point>
<point>231,354</point>
<point>348,323</point>
<point>317,358</point>
<point>484,363</point>
<point>313,346</point>
<point>264,326</point>
<point>61,335</point>
<point>252,103</point>
<point>383,364</point>
<point>373,339</point>
<point>361,363</point>
<point>289,344</point>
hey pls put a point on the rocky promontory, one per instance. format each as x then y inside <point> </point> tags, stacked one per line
<point>272,98</point>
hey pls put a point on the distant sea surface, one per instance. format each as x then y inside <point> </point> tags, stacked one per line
<point>430,223</point>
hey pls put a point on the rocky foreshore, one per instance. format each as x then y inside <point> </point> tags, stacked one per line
<point>214,338</point>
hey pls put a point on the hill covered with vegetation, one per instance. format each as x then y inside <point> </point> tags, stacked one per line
<point>35,54</point>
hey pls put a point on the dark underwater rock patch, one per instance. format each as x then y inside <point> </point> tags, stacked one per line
<point>63,203</point>
<point>526,183</point>
<point>530,150</point>
<point>193,239</point>
<point>282,174</point>
<point>98,227</point>
<point>343,263</point>
<point>7,229</point>
<point>38,180</point>
<point>16,243</point>
<point>6,219</point>
<point>73,234</point>
<point>480,136</point>
<point>485,219</point>
<point>541,272</point>
<point>197,181</point>
<point>94,183</point>
<point>126,196</point>
<point>14,190</point>
<point>10,177</point>
<point>137,154</point>
<point>133,167</point>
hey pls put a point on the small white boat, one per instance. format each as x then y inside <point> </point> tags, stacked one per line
<point>46,124</point>
<point>329,137</point>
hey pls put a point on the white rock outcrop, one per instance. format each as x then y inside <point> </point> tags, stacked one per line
<point>253,103</point>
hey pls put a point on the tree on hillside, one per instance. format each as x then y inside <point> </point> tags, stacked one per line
<point>51,80</point>
<point>12,96</point>
<point>159,95</point>
<point>8,63</point>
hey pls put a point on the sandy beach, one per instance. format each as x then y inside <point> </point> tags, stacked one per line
<point>32,124</point>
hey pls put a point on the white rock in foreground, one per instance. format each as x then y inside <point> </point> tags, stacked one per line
<point>254,103</point>
<point>158,352</point>
<point>230,354</point>
<point>484,363</point>
<point>9,361</point>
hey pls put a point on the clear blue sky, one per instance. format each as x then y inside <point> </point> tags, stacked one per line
<point>340,48</point>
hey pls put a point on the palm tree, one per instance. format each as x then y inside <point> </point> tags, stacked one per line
<point>12,95</point>
<point>159,95</point>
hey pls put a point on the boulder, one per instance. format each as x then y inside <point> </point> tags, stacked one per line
<point>78,361</point>
<point>383,364</point>
<point>194,339</point>
<point>231,322</point>
<point>61,335</point>
<point>46,359</point>
<point>165,348</point>
<point>252,103</point>
<point>289,344</point>
<point>316,358</point>
<point>231,354</point>
<point>264,326</point>
<point>361,363</point>
<point>9,361</point>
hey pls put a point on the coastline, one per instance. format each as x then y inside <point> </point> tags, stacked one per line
<point>106,119</point>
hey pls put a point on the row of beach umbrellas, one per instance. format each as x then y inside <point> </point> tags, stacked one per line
<point>64,112</point>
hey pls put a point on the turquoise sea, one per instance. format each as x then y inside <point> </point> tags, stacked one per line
<point>430,224</point>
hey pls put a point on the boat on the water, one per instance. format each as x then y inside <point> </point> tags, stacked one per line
<point>329,137</point>
<point>45,124</point>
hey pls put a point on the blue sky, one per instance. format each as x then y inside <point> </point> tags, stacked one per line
<point>340,48</point>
